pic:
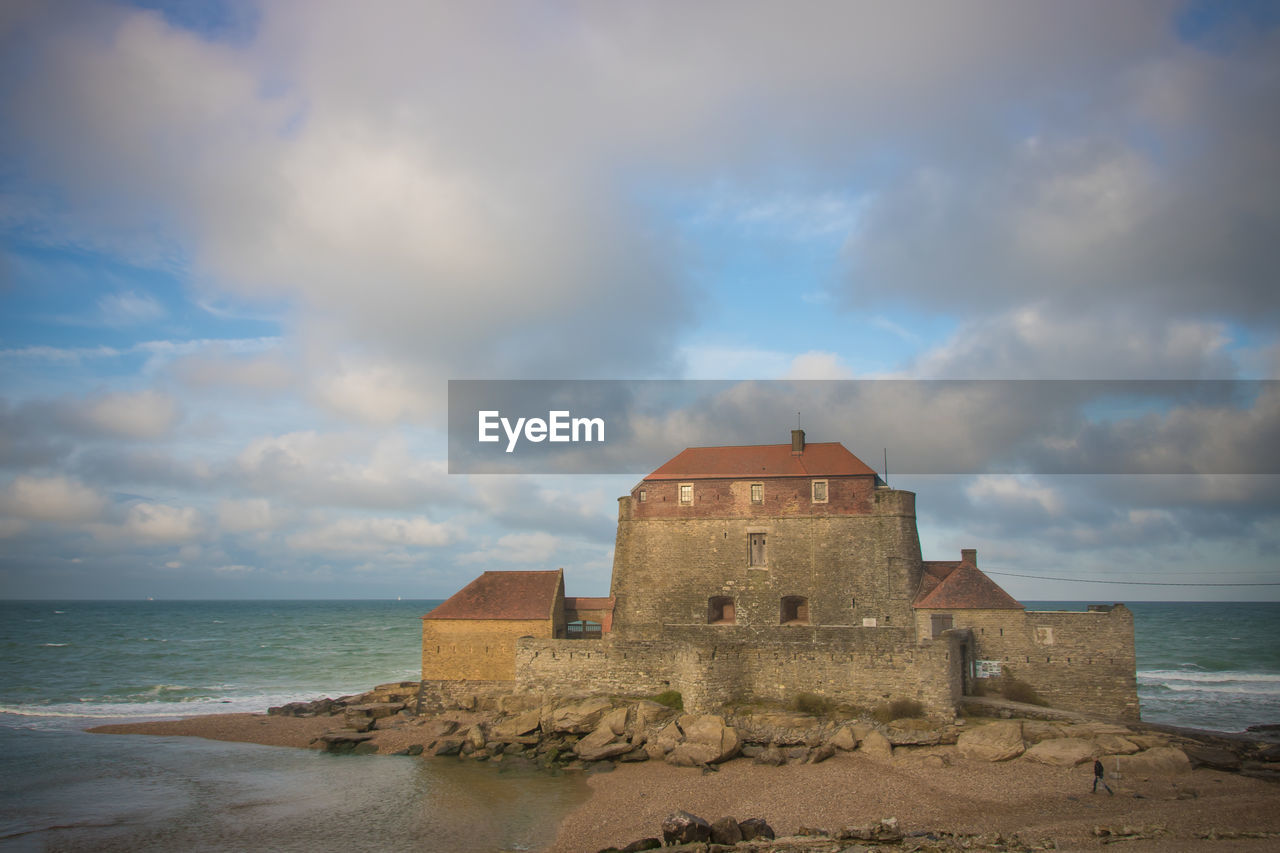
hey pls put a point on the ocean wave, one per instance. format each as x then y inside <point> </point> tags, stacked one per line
<point>53,645</point>
<point>107,710</point>
<point>1258,684</point>
<point>1207,677</point>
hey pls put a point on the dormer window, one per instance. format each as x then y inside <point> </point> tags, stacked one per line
<point>819,491</point>
<point>686,494</point>
<point>757,493</point>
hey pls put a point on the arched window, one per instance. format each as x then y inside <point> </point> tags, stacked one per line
<point>795,610</point>
<point>720,611</point>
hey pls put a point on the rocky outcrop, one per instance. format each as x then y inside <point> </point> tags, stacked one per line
<point>684,828</point>
<point>577,717</point>
<point>1062,752</point>
<point>707,740</point>
<point>998,741</point>
<point>577,732</point>
<point>876,745</point>
<point>692,833</point>
<point>1160,761</point>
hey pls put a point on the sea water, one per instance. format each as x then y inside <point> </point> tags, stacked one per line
<point>1204,665</point>
<point>66,666</point>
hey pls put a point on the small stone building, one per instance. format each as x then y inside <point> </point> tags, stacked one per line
<point>766,571</point>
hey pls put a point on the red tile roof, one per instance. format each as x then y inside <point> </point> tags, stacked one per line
<point>504,595</point>
<point>934,572</point>
<point>961,586</point>
<point>822,459</point>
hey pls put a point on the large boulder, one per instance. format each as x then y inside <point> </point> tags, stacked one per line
<point>513,727</point>
<point>1034,731</point>
<point>725,831</point>
<point>667,739</point>
<point>345,740</point>
<point>707,740</point>
<point>1161,761</point>
<point>771,756</point>
<point>875,745</point>
<point>998,741</point>
<point>606,740</point>
<point>755,827</point>
<point>1217,758</point>
<point>646,714</point>
<point>684,828</point>
<point>1115,745</point>
<point>1062,752</point>
<point>577,718</point>
<point>844,739</point>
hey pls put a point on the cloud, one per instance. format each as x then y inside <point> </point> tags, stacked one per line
<point>246,516</point>
<point>1090,212</point>
<point>129,308</point>
<point>355,535</point>
<point>344,469</point>
<point>530,549</point>
<point>377,394</point>
<point>1038,341</point>
<point>55,498</point>
<point>1009,493</point>
<point>136,415</point>
<point>152,523</point>
<point>818,365</point>
<point>575,505</point>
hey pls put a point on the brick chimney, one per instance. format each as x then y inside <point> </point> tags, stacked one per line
<point>797,442</point>
<point>970,556</point>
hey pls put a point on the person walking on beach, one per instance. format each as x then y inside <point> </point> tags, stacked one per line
<point>1097,777</point>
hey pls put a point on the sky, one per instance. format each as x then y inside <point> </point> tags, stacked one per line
<point>245,246</point>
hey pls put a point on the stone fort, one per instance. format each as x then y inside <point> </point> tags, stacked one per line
<point>762,572</point>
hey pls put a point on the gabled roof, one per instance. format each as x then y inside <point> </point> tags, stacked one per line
<point>504,595</point>
<point>962,586</point>
<point>821,459</point>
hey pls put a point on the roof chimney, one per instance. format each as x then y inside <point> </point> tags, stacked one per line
<point>797,442</point>
<point>970,556</point>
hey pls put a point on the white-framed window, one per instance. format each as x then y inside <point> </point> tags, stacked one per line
<point>757,493</point>
<point>643,495</point>
<point>819,491</point>
<point>686,493</point>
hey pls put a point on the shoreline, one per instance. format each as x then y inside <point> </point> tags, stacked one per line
<point>925,788</point>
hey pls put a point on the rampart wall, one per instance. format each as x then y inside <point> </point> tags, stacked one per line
<point>1082,661</point>
<point>862,669</point>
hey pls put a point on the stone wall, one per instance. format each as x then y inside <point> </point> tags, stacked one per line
<point>859,667</point>
<point>850,568</point>
<point>476,649</point>
<point>1081,661</point>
